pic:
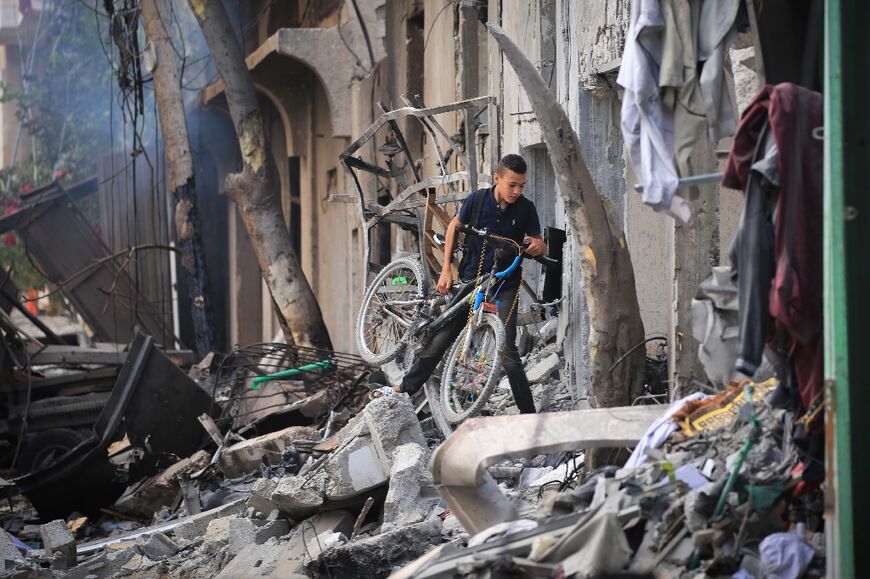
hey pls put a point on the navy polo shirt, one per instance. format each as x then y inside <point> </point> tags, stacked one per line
<point>516,220</point>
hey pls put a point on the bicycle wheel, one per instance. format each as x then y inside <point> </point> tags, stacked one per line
<point>468,380</point>
<point>388,309</point>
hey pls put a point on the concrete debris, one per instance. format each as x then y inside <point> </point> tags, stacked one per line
<point>377,556</point>
<point>157,546</point>
<point>150,495</point>
<point>9,553</point>
<point>217,534</point>
<point>411,496</point>
<point>544,369</point>
<point>56,538</point>
<point>244,532</point>
<point>301,496</point>
<point>245,457</point>
<point>354,470</point>
<point>196,526</point>
<point>392,422</point>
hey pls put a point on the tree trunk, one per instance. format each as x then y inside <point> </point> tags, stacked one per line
<point>255,189</point>
<point>179,163</point>
<point>605,263</point>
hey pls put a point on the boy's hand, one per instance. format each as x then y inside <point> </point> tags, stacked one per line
<point>536,246</point>
<point>444,282</point>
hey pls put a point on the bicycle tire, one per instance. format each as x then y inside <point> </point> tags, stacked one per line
<point>370,352</point>
<point>492,324</point>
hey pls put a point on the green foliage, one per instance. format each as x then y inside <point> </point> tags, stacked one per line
<point>64,111</point>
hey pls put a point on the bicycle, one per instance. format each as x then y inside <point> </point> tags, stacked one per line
<point>399,312</point>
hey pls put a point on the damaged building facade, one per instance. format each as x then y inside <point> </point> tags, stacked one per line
<point>322,73</point>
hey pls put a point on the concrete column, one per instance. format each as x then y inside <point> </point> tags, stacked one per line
<point>695,252</point>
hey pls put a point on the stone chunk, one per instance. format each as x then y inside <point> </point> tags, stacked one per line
<point>244,532</point>
<point>245,457</point>
<point>300,496</point>
<point>544,369</point>
<point>261,495</point>
<point>392,422</point>
<point>57,538</point>
<point>157,546</point>
<point>286,559</point>
<point>412,496</point>
<point>376,556</point>
<point>9,553</point>
<point>217,534</point>
<point>197,525</point>
<point>149,496</point>
<point>354,469</point>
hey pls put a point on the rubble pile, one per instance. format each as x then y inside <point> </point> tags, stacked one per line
<point>344,488</point>
<point>717,485</point>
<point>717,488</point>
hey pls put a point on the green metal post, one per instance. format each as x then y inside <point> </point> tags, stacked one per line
<point>847,281</point>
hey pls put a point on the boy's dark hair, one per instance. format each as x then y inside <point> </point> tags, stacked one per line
<point>512,162</point>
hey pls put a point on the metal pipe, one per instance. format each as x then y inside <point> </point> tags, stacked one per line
<point>693,180</point>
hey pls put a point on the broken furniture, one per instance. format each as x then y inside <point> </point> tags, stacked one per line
<point>459,465</point>
<point>71,254</point>
<point>155,404</point>
<point>414,204</point>
<point>270,386</point>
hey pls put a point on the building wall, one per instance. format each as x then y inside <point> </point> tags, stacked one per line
<point>577,48</point>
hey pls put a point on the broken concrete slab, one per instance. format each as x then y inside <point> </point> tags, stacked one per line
<point>57,538</point>
<point>354,469</point>
<point>261,495</point>
<point>245,457</point>
<point>301,496</point>
<point>544,369</point>
<point>196,526</point>
<point>376,556</point>
<point>287,558</point>
<point>217,534</point>
<point>150,495</point>
<point>411,496</point>
<point>244,532</point>
<point>157,546</point>
<point>459,464</point>
<point>9,553</point>
<point>392,421</point>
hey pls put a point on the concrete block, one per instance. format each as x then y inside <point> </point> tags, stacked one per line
<point>9,553</point>
<point>376,556</point>
<point>261,494</point>
<point>547,333</point>
<point>157,546</point>
<point>217,534</point>
<point>197,525</point>
<point>300,496</point>
<point>392,422</point>
<point>411,496</point>
<point>149,496</point>
<point>287,559</point>
<point>544,369</point>
<point>354,469</point>
<point>243,532</point>
<point>57,538</point>
<point>245,457</point>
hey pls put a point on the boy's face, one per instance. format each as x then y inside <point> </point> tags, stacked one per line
<point>509,186</point>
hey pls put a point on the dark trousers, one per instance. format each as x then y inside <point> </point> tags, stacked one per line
<point>509,357</point>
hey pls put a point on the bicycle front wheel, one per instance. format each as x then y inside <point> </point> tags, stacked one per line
<point>472,369</point>
<point>388,310</point>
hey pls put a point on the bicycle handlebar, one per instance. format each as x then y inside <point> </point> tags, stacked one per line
<point>543,260</point>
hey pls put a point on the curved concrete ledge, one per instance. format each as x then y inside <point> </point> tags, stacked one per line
<point>459,464</point>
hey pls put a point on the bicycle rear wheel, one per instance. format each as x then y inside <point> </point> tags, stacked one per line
<point>471,375</point>
<point>388,310</point>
